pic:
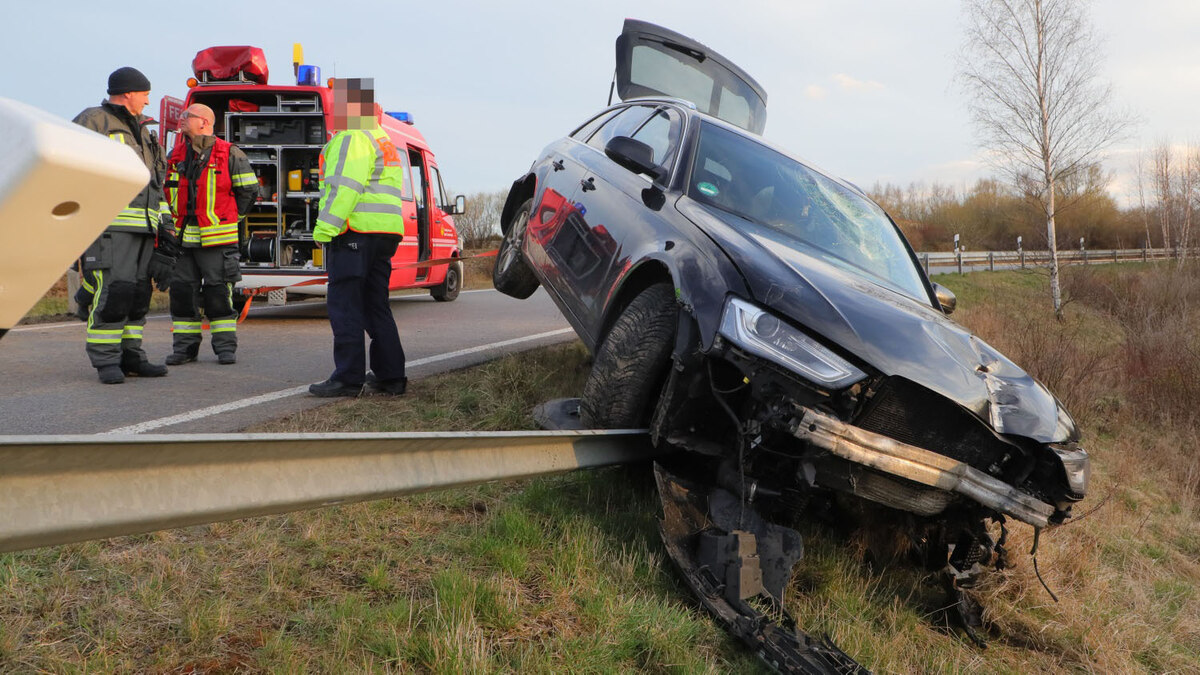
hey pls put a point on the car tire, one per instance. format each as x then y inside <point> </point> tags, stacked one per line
<point>448,289</point>
<point>511,275</point>
<point>631,362</point>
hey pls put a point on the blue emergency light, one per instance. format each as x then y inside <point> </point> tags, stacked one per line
<point>309,76</point>
<point>407,118</point>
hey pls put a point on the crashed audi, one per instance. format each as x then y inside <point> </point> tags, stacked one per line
<point>772,321</point>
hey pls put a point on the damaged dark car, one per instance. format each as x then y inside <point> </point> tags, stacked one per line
<point>772,321</point>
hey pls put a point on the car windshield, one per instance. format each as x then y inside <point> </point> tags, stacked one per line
<point>736,174</point>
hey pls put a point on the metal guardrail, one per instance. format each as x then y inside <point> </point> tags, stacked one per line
<point>61,489</point>
<point>937,262</point>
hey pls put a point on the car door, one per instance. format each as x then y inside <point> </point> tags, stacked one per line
<point>611,209</point>
<point>655,61</point>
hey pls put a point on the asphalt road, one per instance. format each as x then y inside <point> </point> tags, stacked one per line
<point>48,387</point>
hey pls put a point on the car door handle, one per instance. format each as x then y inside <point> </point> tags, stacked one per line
<point>588,184</point>
<point>558,165</point>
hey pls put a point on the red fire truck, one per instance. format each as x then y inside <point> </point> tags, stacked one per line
<point>282,129</point>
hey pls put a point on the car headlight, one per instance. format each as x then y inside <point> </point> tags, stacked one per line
<point>764,334</point>
<point>1077,464</point>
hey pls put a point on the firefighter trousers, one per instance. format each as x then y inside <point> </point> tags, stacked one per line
<point>359,267</point>
<point>203,284</point>
<point>114,272</point>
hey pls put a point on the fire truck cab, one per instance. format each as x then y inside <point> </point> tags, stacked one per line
<point>282,129</point>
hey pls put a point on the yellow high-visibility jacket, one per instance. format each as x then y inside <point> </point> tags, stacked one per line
<point>362,174</point>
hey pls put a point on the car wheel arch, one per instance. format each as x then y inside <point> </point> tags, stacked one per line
<point>647,273</point>
<point>521,190</point>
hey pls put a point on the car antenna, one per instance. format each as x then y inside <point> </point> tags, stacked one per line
<point>611,87</point>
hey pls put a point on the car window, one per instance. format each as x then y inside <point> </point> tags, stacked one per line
<point>660,133</point>
<point>440,190</point>
<point>582,133</point>
<point>407,188</point>
<point>827,219</point>
<point>624,123</point>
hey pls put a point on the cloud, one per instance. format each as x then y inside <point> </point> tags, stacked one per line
<point>815,92</point>
<point>848,83</point>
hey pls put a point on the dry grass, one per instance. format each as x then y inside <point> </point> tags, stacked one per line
<point>567,574</point>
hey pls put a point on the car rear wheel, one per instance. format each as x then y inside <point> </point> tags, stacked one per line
<point>631,362</point>
<point>448,289</point>
<point>511,275</point>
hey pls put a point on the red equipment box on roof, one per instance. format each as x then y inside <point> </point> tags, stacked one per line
<point>227,63</point>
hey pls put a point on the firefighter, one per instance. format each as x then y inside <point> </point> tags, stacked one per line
<point>117,268</point>
<point>361,223</point>
<point>210,187</point>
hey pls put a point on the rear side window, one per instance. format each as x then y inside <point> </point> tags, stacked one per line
<point>624,123</point>
<point>582,133</point>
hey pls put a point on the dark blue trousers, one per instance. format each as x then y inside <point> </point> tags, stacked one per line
<point>359,266</point>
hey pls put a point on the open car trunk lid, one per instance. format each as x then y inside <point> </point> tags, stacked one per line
<point>655,61</point>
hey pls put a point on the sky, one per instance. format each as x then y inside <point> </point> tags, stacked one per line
<point>862,88</point>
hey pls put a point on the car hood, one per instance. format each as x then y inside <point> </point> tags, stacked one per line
<point>893,333</point>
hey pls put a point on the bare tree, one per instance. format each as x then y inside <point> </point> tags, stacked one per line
<point>1161,156</point>
<point>1139,171</point>
<point>1031,72</point>
<point>1189,189</point>
<point>482,217</point>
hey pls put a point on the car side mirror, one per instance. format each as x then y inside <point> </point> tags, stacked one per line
<point>633,155</point>
<point>945,298</point>
<point>459,206</point>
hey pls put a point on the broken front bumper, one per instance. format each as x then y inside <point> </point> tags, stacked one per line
<point>918,465</point>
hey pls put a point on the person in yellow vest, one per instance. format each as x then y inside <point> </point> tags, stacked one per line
<point>117,268</point>
<point>361,223</point>
<point>210,187</point>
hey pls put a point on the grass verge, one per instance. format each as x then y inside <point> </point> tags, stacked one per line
<point>567,573</point>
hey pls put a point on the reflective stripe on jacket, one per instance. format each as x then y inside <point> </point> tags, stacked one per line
<point>142,214</point>
<point>215,210</point>
<point>361,185</point>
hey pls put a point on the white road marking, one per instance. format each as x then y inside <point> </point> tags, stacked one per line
<point>142,427</point>
<point>82,325</point>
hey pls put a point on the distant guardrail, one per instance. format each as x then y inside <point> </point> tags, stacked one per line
<point>943,262</point>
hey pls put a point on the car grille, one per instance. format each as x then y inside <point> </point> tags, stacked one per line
<point>912,414</point>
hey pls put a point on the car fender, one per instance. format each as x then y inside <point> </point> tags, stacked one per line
<point>522,188</point>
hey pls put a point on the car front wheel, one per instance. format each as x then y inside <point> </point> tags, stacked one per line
<point>631,362</point>
<point>511,275</point>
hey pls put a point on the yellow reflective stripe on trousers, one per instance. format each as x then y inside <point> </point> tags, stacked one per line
<point>101,336</point>
<point>223,326</point>
<point>186,326</point>
<point>132,333</point>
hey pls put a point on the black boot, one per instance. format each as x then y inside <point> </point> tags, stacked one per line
<point>132,365</point>
<point>111,374</point>
<point>177,359</point>
<point>330,388</point>
<point>395,387</point>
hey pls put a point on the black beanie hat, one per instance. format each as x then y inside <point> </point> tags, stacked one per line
<point>125,80</point>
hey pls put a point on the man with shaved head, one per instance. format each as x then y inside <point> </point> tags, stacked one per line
<point>210,187</point>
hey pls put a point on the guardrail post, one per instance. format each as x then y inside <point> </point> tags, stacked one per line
<point>1084,252</point>
<point>1114,255</point>
<point>958,256</point>
<point>926,264</point>
<point>1022,252</point>
<point>991,261</point>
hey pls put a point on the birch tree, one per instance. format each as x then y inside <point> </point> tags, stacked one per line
<point>1031,70</point>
